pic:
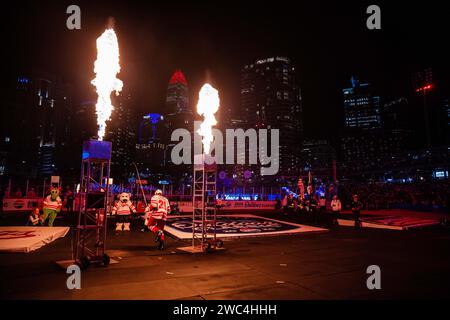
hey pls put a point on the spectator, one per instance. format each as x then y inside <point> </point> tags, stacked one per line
<point>31,194</point>
<point>418,195</point>
<point>69,197</point>
<point>18,193</point>
<point>34,218</point>
<point>7,193</point>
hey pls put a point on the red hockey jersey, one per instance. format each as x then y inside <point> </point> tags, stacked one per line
<point>160,206</point>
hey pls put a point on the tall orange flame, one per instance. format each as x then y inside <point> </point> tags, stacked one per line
<point>208,105</point>
<point>106,68</point>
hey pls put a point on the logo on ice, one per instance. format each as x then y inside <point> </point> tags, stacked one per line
<point>212,140</point>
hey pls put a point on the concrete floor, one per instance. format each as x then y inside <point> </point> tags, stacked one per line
<point>414,264</point>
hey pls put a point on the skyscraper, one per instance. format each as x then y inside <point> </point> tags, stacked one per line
<point>177,100</point>
<point>430,88</point>
<point>362,144</point>
<point>151,147</point>
<point>397,126</point>
<point>19,145</point>
<point>35,125</point>
<point>120,131</point>
<point>446,106</point>
<point>151,128</point>
<point>374,135</point>
<point>84,123</point>
<point>178,114</point>
<point>271,98</point>
<point>361,107</point>
<point>317,156</point>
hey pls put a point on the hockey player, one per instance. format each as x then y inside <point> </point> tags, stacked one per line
<point>156,213</point>
<point>123,208</point>
<point>52,206</point>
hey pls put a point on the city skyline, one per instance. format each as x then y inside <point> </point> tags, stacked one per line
<point>154,43</point>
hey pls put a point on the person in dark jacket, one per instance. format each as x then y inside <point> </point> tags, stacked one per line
<point>356,206</point>
<point>35,217</point>
<point>313,210</point>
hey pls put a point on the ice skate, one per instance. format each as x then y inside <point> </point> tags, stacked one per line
<point>158,236</point>
<point>161,245</point>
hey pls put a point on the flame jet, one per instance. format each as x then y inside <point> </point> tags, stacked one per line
<point>106,68</point>
<point>208,105</point>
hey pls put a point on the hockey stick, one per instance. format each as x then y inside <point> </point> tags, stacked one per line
<point>140,183</point>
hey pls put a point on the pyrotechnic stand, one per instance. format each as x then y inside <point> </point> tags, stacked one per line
<point>204,209</point>
<point>94,199</point>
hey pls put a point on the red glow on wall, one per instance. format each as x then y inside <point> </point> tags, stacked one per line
<point>178,77</point>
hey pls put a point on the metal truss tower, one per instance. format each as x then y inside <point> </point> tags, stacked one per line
<point>93,204</point>
<point>204,208</point>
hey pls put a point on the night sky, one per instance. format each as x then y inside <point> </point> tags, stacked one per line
<point>327,42</point>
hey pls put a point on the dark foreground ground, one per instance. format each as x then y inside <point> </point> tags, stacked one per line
<point>414,264</point>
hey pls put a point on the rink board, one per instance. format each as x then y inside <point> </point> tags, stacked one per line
<point>231,226</point>
<point>27,239</point>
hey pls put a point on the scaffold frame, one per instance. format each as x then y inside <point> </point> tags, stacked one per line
<point>94,198</point>
<point>204,208</point>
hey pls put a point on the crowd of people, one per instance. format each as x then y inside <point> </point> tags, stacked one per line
<point>311,205</point>
<point>319,209</point>
<point>420,195</point>
<point>354,197</point>
<point>67,195</point>
<point>19,194</point>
